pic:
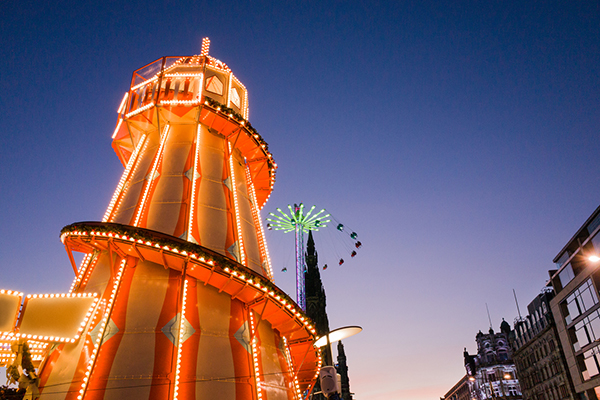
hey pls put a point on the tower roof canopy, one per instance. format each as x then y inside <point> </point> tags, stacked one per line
<point>187,90</point>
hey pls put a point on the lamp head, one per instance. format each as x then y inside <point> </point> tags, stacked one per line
<point>337,334</point>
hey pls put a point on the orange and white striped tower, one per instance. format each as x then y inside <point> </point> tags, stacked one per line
<point>187,305</point>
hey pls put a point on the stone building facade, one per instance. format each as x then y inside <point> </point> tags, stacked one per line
<point>538,356</point>
<point>491,372</point>
<point>460,391</point>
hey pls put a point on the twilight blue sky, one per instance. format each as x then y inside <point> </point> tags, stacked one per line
<point>459,139</point>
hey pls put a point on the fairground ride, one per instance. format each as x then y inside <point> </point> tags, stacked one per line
<point>174,298</point>
<point>299,223</point>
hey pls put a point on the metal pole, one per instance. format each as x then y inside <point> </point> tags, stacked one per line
<point>517,303</point>
<point>329,359</point>
<point>300,296</point>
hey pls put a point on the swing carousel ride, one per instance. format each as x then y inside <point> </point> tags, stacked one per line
<point>174,297</point>
<point>301,223</point>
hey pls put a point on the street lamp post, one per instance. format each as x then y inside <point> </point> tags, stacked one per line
<point>328,373</point>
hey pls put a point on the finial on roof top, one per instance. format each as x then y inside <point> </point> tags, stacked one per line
<point>205,46</point>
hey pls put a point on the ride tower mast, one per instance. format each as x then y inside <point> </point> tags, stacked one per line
<point>299,223</point>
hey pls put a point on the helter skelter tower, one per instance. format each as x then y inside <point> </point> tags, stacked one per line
<point>187,308</point>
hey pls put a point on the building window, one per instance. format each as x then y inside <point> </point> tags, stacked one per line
<point>590,359</point>
<point>563,390</point>
<point>597,391</point>
<point>566,275</point>
<point>588,329</point>
<point>594,224</point>
<point>562,260</point>
<point>596,243</point>
<point>581,300</point>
